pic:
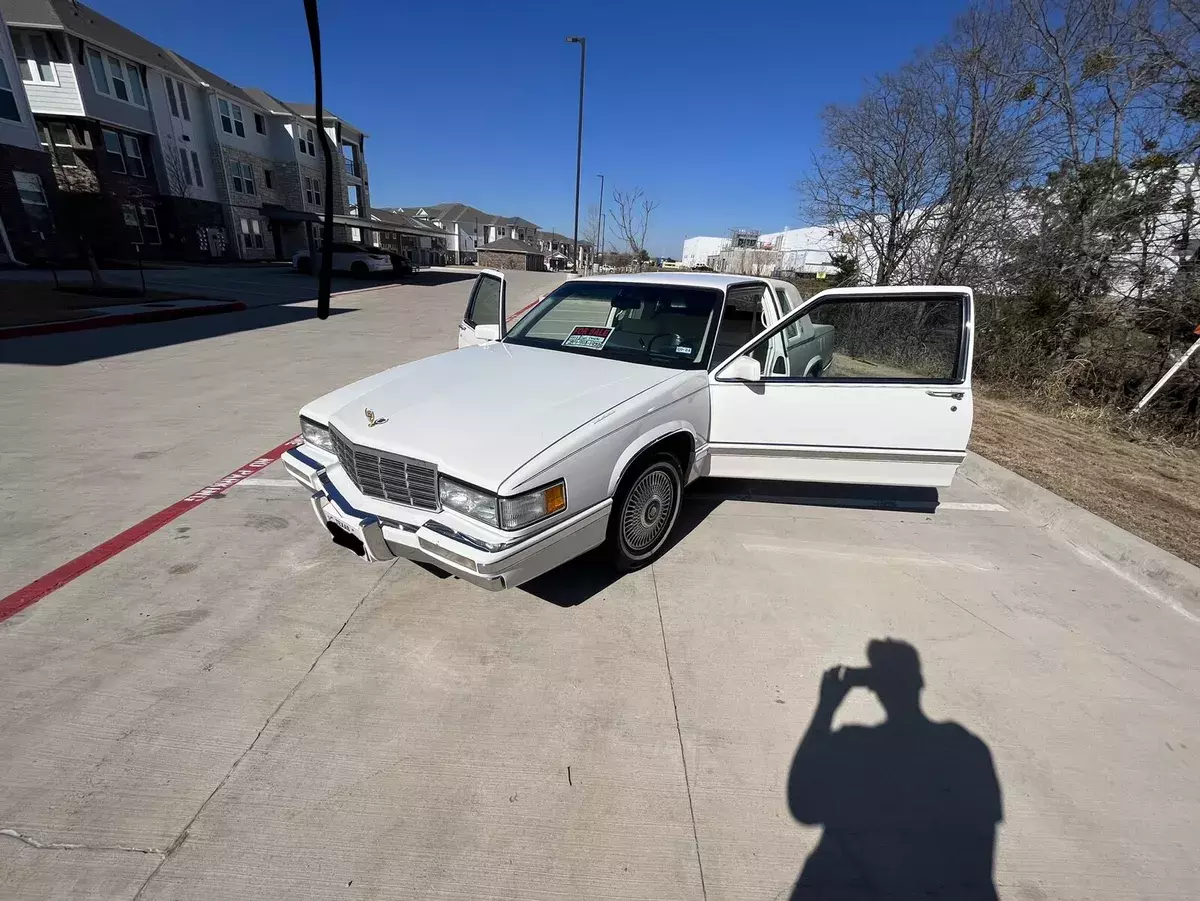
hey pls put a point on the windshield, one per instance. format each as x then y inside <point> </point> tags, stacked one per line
<point>662,325</point>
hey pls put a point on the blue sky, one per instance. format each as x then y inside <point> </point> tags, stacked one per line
<point>711,108</point>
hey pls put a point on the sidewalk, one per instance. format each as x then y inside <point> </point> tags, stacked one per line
<point>123,314</point>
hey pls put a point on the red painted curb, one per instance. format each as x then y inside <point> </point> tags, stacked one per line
<point>73,569</point>
<point>79,325</point>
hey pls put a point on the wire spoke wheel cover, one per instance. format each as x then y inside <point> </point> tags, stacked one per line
<point>649,512</point>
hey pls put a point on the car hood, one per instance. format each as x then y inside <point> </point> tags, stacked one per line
<point>481,412</point>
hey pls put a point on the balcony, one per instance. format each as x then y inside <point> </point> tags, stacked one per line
<point>352,167</point>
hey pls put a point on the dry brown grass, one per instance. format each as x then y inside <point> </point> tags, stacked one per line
<point>1144,485</point>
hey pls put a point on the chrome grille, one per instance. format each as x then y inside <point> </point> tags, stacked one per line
<point>388,477</point>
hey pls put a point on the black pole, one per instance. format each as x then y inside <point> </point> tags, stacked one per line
<point>582,42</point>
<point>599,225</point>
<point>326,271</point>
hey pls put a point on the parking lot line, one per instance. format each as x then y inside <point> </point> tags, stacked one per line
<point>88,560</point>
<point>270,483</point>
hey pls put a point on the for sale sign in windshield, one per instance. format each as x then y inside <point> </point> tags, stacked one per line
<point>589,337</point>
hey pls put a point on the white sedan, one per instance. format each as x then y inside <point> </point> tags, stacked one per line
<point>356,259</point>
<point>581,425</point>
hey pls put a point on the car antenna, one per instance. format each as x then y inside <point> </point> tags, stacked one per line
<point>326,269</point>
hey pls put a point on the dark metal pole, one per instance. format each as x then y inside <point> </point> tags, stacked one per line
<point>582,42</point>
<point>599,215</point>
<point>325,275</point>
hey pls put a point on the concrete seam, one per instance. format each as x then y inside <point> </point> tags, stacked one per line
<point>687,783</point>
<point>69,846</point>
<point>182,837</point>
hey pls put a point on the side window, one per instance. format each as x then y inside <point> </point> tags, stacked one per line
<point>484,307</point>
<point>885,339</point>
<point>741,320</point>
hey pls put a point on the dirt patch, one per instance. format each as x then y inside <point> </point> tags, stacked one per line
<point>28,303</point>
<point>1150,489</point>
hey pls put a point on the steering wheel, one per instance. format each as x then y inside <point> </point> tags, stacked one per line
<point>676,340</point>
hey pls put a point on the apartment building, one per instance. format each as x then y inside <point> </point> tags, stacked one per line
<point>27,181</point>
<point>91,85</point>
<point>467,228</point>
<point>153,154</point>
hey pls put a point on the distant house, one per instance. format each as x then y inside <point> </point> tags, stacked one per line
<point>468,228</point>
<point>418,241</point>
<point>559,249</point>
<point>509,253</point>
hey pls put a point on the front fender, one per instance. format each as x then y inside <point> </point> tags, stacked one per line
<point>644,441</point>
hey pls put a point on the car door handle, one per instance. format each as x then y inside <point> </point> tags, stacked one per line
<point>957,395</point>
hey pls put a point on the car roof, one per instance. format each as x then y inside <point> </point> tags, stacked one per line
<point>718,280</point>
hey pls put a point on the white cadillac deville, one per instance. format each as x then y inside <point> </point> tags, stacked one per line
<point>581,424</point>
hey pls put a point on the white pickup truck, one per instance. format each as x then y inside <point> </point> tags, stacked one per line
<point>579,423</point>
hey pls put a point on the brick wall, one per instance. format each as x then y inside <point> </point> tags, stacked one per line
<point>503,259</point>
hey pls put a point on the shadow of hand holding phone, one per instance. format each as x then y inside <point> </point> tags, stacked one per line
<point>909,807</point>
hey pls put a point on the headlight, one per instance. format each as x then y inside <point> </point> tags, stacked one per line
<point>316,434</point>
<point>528,508</point>
<point>469,501</point>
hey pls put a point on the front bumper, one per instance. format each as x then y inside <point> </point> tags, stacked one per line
<point>438,543</point>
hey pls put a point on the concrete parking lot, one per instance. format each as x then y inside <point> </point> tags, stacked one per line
<point>234,707</point>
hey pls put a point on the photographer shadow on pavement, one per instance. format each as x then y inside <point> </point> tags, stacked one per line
<point>909,807</point>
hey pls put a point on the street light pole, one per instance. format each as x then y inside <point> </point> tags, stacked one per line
<point>599,214</point>
<point>582,42</point>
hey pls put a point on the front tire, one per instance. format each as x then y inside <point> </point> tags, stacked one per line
<point>644,511</point>
<point>359,269</point>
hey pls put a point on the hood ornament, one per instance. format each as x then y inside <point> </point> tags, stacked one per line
<point>372,420</point>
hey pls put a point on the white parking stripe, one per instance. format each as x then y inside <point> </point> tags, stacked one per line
<point>271,483</point>
<point>953,506</point>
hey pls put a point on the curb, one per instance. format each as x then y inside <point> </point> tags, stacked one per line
<point>1171,580</point>
<point>111,319</point>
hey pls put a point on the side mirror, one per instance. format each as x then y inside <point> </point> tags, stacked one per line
<point>743,369</point>
<point>487,332</point>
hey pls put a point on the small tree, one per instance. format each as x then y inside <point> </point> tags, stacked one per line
<point>633,219</point>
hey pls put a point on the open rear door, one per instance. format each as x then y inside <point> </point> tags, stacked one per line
<point>483,321</point>
<point>882,394</point>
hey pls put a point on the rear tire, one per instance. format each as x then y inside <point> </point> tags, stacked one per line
<point>304,266</point>
<point>644,512</point>
<point>359,269</point>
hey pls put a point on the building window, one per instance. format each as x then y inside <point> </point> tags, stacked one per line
<point>183,103</point>
<point>8,97</point>
<point>60,143</point>
<point>306,143</point>
<point>317,191</point>
<point>196,170</point>
<point>136,91</point>
<point>355,234</point>
<point>260,124</point>
<point>150,225</point>
<point>112,145</point>
<point>33,58</point>
<point>183,164</point>
<point>231,118</point>
<point>352,198</point>
<point>171,97</point>
<point>33,198</point>
<point>308,189</point>
<point>133,156</point>
<point>117,72</point>
<point>267,180</point>
<point>243,177</point>
<point>99,76</point>
<point>252,238</point>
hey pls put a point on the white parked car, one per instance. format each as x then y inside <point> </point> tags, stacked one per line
<point>356,259</point>
<point>581,424</point>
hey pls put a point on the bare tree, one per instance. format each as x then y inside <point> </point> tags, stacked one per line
<point>633,219</point>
